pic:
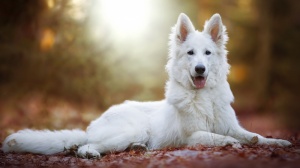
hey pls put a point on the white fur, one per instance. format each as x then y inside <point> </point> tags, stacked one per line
<point>45,142</point>
<point>188,116</point>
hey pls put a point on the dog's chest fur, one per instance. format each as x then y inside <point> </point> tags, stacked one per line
<point>198,113</point>
<point>195,108</point>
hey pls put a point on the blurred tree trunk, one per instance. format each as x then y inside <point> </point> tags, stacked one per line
<point>277,63</point>
<point>263,57</point>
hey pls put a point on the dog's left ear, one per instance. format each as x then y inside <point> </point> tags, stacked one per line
<point>214,27</point>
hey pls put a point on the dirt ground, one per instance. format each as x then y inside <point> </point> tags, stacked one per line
<point>199,156</point>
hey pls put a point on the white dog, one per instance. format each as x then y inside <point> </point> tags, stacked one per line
<point>196,109</point>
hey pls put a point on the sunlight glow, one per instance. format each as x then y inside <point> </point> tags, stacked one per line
<point>77,11</point>
<point>238,73</point>
<point>126,16</point>
<point>50,3</point>
<point>47,40</point>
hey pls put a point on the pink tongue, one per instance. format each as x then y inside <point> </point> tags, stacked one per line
<point>199,82</point>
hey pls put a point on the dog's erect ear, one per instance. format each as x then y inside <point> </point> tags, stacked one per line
<point>215,29</point>
<point>184,27</point>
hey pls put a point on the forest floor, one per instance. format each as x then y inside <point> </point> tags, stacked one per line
<point>199,156</point>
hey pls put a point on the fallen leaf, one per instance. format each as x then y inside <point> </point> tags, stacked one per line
<point>254,140</point>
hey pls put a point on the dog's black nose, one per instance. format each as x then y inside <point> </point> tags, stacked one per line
<point>200,69</point>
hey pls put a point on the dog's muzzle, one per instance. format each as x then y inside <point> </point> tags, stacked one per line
<point>199,81</point>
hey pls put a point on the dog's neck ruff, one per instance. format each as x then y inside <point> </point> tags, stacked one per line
<point>189,100</point>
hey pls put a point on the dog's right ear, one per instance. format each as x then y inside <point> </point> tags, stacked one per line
<point>184,27</point>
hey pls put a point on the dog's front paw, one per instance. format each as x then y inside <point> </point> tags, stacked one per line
<point>277,142</point>
<point>284,143</point>
<point>231,141</point>
<point>87,152</point>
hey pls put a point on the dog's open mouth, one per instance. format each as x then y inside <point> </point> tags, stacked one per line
<point>199,81</point>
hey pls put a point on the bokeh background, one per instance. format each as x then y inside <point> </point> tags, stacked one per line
<point>64,62</point>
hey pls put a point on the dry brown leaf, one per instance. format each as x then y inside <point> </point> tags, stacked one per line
<point>254,140</point>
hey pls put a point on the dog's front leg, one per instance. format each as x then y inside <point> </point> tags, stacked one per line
<point>210,139</point>
<point>246,137</point>
<point>227,124</point>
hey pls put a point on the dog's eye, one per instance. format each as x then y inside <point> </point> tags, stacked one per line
<point>207,52</point>
<point>191,52</point>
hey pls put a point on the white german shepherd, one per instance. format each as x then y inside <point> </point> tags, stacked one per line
<point>196,109</point>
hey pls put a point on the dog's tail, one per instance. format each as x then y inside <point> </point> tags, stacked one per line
<point>43,142</point>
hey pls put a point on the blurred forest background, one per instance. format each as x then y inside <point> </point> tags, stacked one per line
<point>63,62</point>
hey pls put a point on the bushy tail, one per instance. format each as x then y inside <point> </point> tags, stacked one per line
<point>43,142</point>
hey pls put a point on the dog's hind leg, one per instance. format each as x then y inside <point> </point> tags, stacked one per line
<point>117,143</point>
<point>138,147</point>
<point>89,151</point>
<point>117,129</point>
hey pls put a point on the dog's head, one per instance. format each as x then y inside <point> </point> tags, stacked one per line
<point>198,59</point>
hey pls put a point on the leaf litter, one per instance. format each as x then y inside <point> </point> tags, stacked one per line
<point>244,156</point>
<point>198,156</point>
